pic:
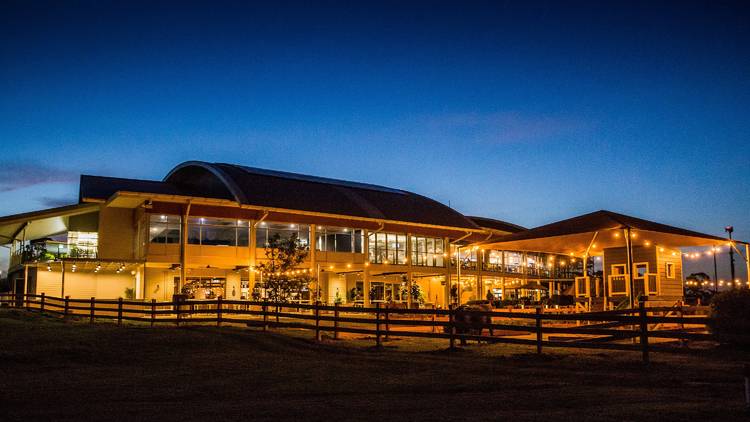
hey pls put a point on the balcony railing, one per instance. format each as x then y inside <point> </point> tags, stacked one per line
<point>40,253</point>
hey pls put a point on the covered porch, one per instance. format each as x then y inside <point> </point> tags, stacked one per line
<point>626,258</point>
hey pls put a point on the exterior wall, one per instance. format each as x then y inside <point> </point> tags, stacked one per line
<point>670,286</point>
<point>160,283</point>
<point>619,256</point>
<point>84,285</point>
<point>116,234</point>
<point>656,259</point>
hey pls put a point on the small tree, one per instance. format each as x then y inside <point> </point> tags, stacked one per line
<point>730,317</point>
<point>280,273</point>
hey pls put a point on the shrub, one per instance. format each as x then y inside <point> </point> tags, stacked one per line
<point>730,317</point>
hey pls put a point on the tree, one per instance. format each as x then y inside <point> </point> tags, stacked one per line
<point>698,286</point>
<point>280,273</point>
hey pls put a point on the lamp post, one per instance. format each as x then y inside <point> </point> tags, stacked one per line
<point>716,276</point>
<point>730,229</point>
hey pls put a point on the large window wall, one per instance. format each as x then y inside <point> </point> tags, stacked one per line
<point>338,239</point>
<point>387,248</point>
<point>267,230</point>
<point>218,232</point>
<point>427,251</point>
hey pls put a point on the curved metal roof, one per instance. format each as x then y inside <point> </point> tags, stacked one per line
<point>277,189</point>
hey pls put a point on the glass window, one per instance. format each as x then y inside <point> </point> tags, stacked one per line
<point>164,228</point>
<point>427,251</point>
<point>267,230</point>
<point>217,232</point>
<point>338,239</point>
<point>387,248</point>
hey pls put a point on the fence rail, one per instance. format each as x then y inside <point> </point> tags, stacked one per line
<point>629,329</point>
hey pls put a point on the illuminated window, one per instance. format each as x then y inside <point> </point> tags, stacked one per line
<point>266,231</point>
<point>669,269</point>
<point>83,244</point>
<point>387,248</point>
<point>338,239</point>
<point>164,228</point>
<point>427,251</point>
<point>218,232</point>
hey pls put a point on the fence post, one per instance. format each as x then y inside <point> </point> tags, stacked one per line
<point>264,308</point>
<point>317,320</point>
<point>644,330</point>
<point>65,312</point>
<point>176,307</point>
<point>277,311</point>
<point>433,318</point>
<point>387,323</point>
<point>377,325</point>
<point>218,311</point>
<point>41,305</point>
<point>452,325</point>
<point>153,312</point>
<point>539,330</point>
<point>92,307</point>
<point>336,321</point>
<point>119,311</point>
<point>682,325</point>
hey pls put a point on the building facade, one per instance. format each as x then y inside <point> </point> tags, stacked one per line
<point>203,231</point>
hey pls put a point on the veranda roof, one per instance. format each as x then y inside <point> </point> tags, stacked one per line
<point>593,232</point>
<point>40,224</point>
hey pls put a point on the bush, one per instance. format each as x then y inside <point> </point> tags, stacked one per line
<point>730,317</point>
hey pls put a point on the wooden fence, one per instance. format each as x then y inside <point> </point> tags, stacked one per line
<point>643,329</point>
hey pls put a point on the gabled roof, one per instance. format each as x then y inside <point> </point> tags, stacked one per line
<point>602,228</point>
<point>493,224</point>
<point>102,188</point>
<point>38,224</point>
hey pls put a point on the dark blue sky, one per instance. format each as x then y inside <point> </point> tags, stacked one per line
<point>524,111</point>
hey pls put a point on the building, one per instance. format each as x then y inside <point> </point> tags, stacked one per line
<point>203,231</point>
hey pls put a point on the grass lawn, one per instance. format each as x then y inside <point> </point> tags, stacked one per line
<point>55,370</point>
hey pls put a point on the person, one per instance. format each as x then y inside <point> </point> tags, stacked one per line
<point>490,296</point>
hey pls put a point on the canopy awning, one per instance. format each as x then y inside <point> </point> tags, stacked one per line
<point>40,224</point>
<point>592,233</point>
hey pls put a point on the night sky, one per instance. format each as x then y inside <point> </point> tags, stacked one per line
<point>528,112</point>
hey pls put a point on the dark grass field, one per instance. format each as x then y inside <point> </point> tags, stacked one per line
<point>53,370</point>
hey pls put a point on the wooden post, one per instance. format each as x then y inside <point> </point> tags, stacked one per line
<point>153,312</point>
<point>41,304</point>
<point>277,312</point>
<point>65,312</point>
<point>336,321</point>
<point>644,331</point>
<point>377,325</point>
<point>176,307</point>
<point>452,325</point>
<point>218,311</point>
<point>682,325</point>
<point>92,308</point>
<point>317,321</point>
<point>119,312</point>
<point>264,308</point>
<point>539,330</point>
<point>433,318</point>
<point>387,324</point>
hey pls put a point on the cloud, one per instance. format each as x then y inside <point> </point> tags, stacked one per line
<point>507,127</point>
<point>52,202</point>
<point>15,176</point>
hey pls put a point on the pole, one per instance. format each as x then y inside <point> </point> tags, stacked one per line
<point>747,263</point>
<point>458,273</point>
<point>730,229</point>
<point>539,330</point>
<point>629,247</point>
<point>716,272</point>
<point>644,331</point>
